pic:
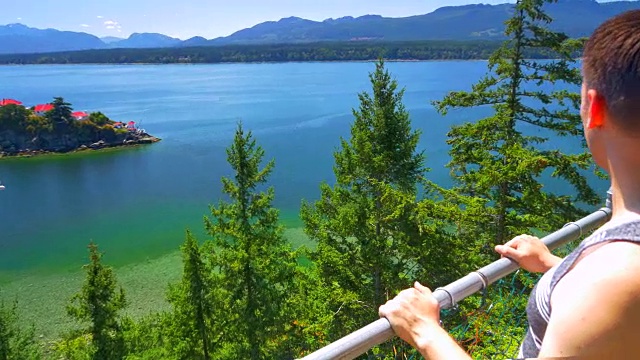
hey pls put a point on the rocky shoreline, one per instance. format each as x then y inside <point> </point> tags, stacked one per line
<point>12,146</point>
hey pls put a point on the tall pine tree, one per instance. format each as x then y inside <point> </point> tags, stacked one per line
<point>99,303</point>
<point>253,266</point>
<point>61,112</point>
<point>193,306</point>
<point>502,164</point>
<point>375,235</point>
<point>502,159</point>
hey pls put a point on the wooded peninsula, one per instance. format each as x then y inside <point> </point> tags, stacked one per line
<point>55,128</point>
<point>329,51</point>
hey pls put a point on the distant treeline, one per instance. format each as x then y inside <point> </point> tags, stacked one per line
<point>339,51</point>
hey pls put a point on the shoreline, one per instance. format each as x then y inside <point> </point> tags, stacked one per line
<point>42,295</point>
<point>251,62</point>
<point>27,154</point>
<point>265,62</point>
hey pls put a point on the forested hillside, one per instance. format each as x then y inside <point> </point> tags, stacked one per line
<point>407,51</point>
<point>576,18</point>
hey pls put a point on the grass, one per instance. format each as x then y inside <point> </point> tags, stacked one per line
<point>42,299</point>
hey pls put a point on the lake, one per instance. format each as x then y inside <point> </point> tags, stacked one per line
<point>136,203</point>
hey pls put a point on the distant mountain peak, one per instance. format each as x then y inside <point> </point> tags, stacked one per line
<point>291,19</point>
<point>195,41</point>
<point>341,19</point>
<point>369,17</point>
<point>150,36</point>
<point>147,40</point>
<point>351,18</point>
<point>468,6</point>
<point>21,39</point>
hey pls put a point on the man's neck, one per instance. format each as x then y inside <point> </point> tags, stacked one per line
<point>624,171</point>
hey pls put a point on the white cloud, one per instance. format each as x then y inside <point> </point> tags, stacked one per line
<point>19,18</point>
<point>99,16</point>
<point>112,25</point>
<point>84,25</point>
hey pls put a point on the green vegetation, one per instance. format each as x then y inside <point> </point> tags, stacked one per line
<point>193,307</point>
<point>245,293</point>
<point>25,121</point>
<point>16,342</point>
<point>330,51</point>
<point>496,159</point>
<point>372,238</point>
<point>252,264</point>
<point>99,304</point>
<point>497,162</point>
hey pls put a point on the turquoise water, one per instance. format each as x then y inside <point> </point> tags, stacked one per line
<point>136,203</point>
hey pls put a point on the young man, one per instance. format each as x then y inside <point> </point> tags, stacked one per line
<point>586,305</point>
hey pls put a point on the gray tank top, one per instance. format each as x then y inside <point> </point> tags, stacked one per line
<point>539,305</point>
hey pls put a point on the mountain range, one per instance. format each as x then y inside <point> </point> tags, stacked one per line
<point>577,18</point>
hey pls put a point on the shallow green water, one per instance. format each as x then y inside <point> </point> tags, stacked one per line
<point>136,203</point>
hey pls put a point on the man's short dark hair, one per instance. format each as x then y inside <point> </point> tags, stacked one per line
<point>611,66</point>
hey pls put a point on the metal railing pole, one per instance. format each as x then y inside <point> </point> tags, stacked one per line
<point>379,331</point>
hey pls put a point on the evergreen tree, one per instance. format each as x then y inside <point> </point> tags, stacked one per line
<point>374,235</point>
<point>501,159</point>
<point>61,112</point>
<point>193,309</point>
<point>99,303</point>
<point>16,342</point>
<point>253,266</point>
<point>13,117</point>
<point>500,163</point>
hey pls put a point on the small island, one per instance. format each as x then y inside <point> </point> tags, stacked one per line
<point>56,128</point>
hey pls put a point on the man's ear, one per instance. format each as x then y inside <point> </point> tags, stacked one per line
<point>597,110</point>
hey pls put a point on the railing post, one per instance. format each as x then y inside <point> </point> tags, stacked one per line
<point>360,341</point>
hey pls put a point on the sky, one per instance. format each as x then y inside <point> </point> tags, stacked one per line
<point>187,18</point>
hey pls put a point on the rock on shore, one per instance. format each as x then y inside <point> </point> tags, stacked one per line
<point>15,144</point>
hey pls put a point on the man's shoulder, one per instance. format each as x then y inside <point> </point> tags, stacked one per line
<point>596,306</point>
<point>612,255</point>
<point>611,263</point>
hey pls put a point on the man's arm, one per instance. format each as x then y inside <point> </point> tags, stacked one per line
<point>530,253</point>
<point>442,346</point>
<point>415,317</point>
<point>596,307</point>
<point>414,314</point>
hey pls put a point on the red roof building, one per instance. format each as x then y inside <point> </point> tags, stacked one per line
<point>4,102</point>
<point>43,108</point>
<point>79,115</point>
